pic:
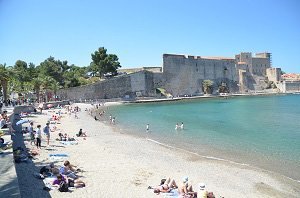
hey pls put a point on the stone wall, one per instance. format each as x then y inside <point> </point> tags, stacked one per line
<point>259,66</point>
<point>183,75</point>
<point>117,87</point>
<point>290,86</point>
<point>273,74</point>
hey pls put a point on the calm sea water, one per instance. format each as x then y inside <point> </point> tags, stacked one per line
<point>262,131</point>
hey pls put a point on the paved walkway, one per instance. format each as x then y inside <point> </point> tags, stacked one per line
<point>9,185</point>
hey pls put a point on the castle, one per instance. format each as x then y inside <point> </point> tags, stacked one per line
<point>183,75</point>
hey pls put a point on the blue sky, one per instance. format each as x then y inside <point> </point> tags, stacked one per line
<point>139,32</point>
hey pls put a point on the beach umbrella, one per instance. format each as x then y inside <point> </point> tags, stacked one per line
<point>22,122</point>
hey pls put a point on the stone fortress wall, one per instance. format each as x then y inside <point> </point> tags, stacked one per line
<point>183,75</point>
<point>129,85</point>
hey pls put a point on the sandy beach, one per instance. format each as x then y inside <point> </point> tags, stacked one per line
<point>120,165</point>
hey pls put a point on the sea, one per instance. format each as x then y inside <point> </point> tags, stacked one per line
<point>256,131</point>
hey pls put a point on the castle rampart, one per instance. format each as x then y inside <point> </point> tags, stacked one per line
<point>184,74</point>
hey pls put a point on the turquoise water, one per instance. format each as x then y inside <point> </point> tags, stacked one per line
<point>262,131</point>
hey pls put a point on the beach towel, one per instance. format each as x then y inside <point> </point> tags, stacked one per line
<point>69,142</point>
<point>172,194</point>
<point>58,157</point>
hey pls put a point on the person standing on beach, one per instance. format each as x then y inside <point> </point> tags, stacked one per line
<point>47,132</point>
<point>38,136</point>
<point>31,132</point>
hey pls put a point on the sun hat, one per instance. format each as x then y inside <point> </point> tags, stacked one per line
<point>185,179</point>
<point>201,186</point>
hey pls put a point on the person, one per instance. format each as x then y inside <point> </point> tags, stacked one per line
<point>31,132</point>
<point>181,126</point>
<point>3,124</point>
<point>49,170</point>
<point>47,132</point>
<point>4,145</point>
<point>25,130</point>
<point>113,120</point>
<point>61,137</point>
<point>165,186</point>
<point>65,137</point>
<point>68,169</point>
<point>81,133</point>
<point>201,193</point>
<point>38,136</point>
<point>110,118</point>
<point>71,183</point>
<point>75,115</point>
<point>147,127</point>
<point>186,189</point>
<point>176,126</point>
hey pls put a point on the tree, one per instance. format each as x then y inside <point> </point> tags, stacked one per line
<point>37,83</point>
<point>47,82</point>
<point>4,79</point>
<point>103,63</point>
<point>53,68</point>
<point>207,86</point>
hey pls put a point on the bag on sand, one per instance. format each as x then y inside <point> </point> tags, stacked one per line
<point>63,187</point>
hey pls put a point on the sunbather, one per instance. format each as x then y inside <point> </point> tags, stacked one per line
<point>186,189</point>
<point>71,183</point>
<point>68,170</point>
<point>167,186</point>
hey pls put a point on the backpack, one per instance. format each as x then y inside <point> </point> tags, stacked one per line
<point>63,187</point>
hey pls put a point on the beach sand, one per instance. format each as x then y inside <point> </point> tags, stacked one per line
<point>121,165</point>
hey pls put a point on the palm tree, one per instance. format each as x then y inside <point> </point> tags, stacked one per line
<point>54,87</point>
<point>47,83</point>
<point>37,83</point>
<point>4,78</point>
<point>207,86</point>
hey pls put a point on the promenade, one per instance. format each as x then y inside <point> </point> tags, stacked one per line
<point>9,185</point>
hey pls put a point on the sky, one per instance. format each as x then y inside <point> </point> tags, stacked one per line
<point>139,32</point>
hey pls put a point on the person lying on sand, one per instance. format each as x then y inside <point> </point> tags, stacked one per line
<point>186,189</point>
<point>165,187</point>
<point>77,183</point>
<point>69,170</point>
<point>49,170</point>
